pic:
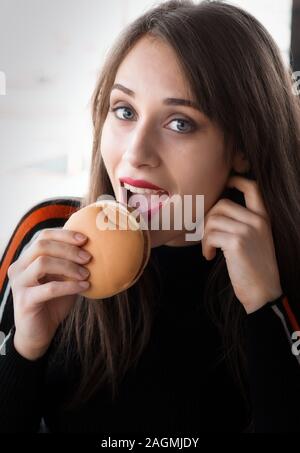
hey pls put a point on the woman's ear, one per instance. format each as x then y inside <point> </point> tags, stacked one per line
<point>240,163</point>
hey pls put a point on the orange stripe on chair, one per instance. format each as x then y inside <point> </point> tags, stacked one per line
<point>291,316</point>
<point>40,215</point>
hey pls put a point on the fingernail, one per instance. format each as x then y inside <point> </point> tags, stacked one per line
<point>80,237</point>
<point>84,272</point>
<point>84,255</point>
<point>84,284</point>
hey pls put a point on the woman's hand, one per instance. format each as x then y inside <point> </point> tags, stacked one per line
<point>245,237</point>
<point>45,281</point>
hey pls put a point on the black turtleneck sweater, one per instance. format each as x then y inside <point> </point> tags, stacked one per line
<point>181,385</point>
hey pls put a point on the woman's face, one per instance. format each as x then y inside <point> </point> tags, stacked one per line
<point>174,147</point>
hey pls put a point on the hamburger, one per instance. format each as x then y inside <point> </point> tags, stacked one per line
<point>119,245</point>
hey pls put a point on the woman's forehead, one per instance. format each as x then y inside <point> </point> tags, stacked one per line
<point>155,65</point>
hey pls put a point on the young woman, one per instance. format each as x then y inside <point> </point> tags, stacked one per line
<point>194,99</point>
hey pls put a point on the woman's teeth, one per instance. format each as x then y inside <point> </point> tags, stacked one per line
<point>141,190</point>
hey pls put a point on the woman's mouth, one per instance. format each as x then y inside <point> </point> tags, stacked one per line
<point>144,200</point>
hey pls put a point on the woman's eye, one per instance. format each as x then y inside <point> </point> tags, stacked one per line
<point>119,108</point>
<point>180,121</point>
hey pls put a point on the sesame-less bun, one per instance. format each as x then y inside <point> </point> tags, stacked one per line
<point>119,256</point>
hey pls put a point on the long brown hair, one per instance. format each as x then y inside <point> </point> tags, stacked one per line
<point>236,74</point>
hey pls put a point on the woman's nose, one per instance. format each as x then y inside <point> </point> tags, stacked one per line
<point>141,148</point>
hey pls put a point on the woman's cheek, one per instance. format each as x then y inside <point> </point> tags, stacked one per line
<point>110,144</point>
<point>214,189</point>
<point>210,184</point>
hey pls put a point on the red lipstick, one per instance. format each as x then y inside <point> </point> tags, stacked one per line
<point>141,183</point>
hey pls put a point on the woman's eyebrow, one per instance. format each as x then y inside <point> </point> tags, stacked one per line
<point>167,101</point>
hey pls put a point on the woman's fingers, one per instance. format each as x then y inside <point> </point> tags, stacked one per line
<point>59,234</point>
<point>55,242</point>
<point>49,271</point>
<point>216,239</point>
<point>40,294</point>
<point>234,211</point>
<point>221,222</point>
<point>45,265</point>
<point>253,198</point>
